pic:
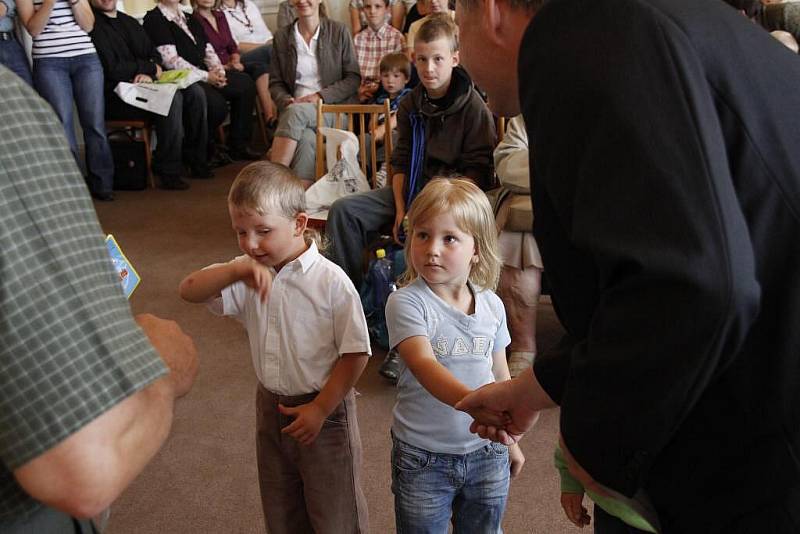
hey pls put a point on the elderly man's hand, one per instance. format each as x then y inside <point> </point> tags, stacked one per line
<point>499,397</point>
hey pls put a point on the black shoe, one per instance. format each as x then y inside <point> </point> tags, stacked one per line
<point>220,159</point>
<point>173,183</point>
<point>390,368</point>
<point>245,154</point>
<point>103,197</point>
<point>201,172</point>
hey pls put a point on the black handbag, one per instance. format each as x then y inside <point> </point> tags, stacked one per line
<point>130,163</point>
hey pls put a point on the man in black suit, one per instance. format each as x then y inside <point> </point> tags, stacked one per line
<point>128,55</point>
<point>667,211</point>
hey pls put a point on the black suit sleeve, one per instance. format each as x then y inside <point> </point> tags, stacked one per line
<point>631,160</point>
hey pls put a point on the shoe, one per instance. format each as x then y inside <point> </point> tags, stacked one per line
<point>103,197</point>
<point>244,154</point>
<point>390,368</point>
<point>200,172</point>
<point>519,361</point>
<point>220,159</point>
<point>173,183</point>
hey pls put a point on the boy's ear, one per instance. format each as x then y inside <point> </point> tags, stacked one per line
<point>300,223</point>
<point>456,58</point>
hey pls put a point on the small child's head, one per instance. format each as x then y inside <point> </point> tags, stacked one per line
<point>395,71</point>
<point>267,205</point>
<point>375,13</point>
<point>436,53</point>
<point>452,236</point>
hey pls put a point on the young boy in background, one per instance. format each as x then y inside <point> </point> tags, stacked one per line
<point>372,43</point>
<point>443,129</point>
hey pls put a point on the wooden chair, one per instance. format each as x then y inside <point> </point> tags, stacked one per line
<point>346,116</point>
<point>141,130</point>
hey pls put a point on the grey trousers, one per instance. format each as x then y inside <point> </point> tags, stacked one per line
<point>349,220</point>
<point>299,122</point>
<point>313,489</point>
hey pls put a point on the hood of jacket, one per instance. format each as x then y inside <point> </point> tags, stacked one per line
<point>460,84</point>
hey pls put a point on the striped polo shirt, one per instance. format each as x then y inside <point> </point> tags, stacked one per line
<point>61,37</point>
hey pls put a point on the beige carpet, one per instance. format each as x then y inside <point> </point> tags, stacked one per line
<point>204,478</point>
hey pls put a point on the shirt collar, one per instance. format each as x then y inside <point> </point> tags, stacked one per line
<point>306,259</point>
<point>381,32</point>
<point>171,15</point>
<point>298,35</point>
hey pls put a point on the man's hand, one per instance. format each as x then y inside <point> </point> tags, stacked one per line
<point>517,459</point>
<point>255,275</point>
<point>142,78</point>
<point>572,503</point>
<point>175,348</point>
<point>499,397</point>
<point>366,91</point>
<point>307,423</point>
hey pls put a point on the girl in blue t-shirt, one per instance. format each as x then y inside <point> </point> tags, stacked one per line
<point>450,330</point>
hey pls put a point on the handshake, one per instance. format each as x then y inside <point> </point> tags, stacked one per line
<point>504,411</point>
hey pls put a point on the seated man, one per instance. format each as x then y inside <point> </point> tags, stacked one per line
<point>520,279</point>
<point>128,55</point>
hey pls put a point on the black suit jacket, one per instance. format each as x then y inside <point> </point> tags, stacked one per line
<point>124,49</point>
<point>667,202</point>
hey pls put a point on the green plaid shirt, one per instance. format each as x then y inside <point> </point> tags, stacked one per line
<point>69,348</point>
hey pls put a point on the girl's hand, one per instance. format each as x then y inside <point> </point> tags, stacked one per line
<point>517,459</point>
<point>216,78</point>
<point>307,423</point>
<point>255,275</point>
<point>572,503</point>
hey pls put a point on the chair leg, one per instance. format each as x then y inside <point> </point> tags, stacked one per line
<point>148,155</point>
<point>261,123</point>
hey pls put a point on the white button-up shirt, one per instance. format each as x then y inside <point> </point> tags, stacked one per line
<point>312,316</point>
<point>308,81</point>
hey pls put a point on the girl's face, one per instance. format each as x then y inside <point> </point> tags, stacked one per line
<point>441,253</point>
<point>205,4</point>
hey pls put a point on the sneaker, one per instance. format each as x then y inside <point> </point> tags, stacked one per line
<point>390,368</point>
<point>518,361</point>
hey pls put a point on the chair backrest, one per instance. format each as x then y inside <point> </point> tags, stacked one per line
<point>346,116</point>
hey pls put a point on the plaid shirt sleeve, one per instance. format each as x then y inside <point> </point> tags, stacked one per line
<point>69,348</point>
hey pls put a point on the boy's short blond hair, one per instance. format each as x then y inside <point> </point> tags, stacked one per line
<point>396,61</point>
<point>437,26</point>
<point>473,214</point>
<point>265,187</point>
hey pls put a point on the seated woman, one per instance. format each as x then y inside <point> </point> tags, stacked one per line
<point>254,41</point>
<point>182,44</point>
<point>520,278</point>
<point>66,67</point>
<point>312,60</point>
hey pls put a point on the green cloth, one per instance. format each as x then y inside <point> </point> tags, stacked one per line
<point>617,508</point>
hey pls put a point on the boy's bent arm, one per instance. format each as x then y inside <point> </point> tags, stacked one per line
<point>344,376</point>
<point>205,284</point>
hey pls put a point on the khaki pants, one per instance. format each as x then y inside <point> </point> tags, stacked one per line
<point>314,489</point>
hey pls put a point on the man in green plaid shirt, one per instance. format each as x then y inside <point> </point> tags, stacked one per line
<point>85,400</point>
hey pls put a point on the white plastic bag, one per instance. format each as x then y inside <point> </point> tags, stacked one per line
<point>344,175</point>
<point>153,97</point>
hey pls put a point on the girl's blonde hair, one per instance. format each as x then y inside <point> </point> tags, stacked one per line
<point>473,214</point>
<point>265,187</point>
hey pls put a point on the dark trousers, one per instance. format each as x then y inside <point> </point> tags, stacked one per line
<point>182,135</point>
<point>48,520</point>
<point>240,93</point>
<point>313,489</point>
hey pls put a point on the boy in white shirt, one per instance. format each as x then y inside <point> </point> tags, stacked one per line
<point>309,344</point>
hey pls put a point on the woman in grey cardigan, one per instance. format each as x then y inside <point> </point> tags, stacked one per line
<point>312,59</point>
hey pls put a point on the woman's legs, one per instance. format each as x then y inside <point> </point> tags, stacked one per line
<point>256,63</point>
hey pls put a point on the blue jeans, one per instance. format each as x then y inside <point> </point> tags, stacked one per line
<point>13,57</point>
<point>60,80</point>
<point>430,487</point>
